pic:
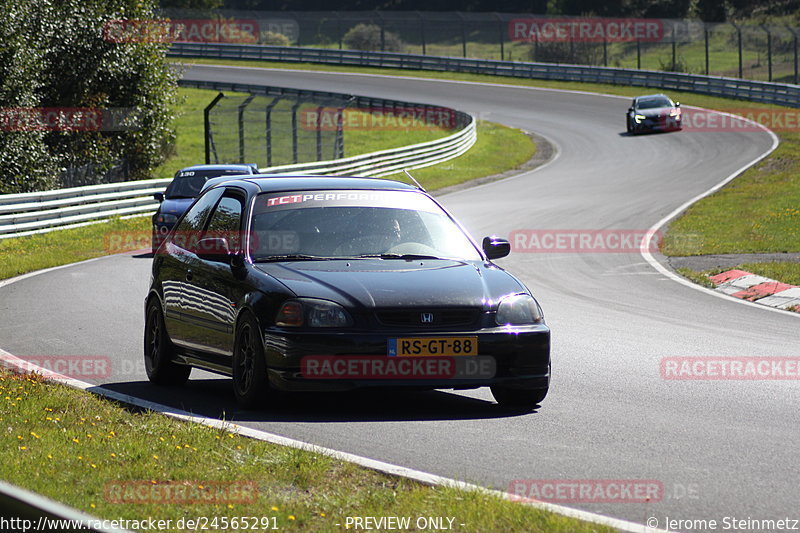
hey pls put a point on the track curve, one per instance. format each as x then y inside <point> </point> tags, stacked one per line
<point>720,448</point>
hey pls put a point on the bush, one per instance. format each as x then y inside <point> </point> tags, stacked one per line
<point>58,54</point>
<point>368,37</point>
<point>274,39</point>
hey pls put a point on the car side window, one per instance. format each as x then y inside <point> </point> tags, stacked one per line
<point>226,220</point>
<point>187,232</point>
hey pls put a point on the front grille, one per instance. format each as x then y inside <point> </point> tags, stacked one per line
<point>418,318</point>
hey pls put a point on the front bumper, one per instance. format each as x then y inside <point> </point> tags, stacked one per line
<point>521,357</point>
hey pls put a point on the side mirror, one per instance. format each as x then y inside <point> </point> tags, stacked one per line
<point>630,109</point>
<point>213,249</point>
<point>159,196</point>
<point>495,247</point>
<point>677,104</point>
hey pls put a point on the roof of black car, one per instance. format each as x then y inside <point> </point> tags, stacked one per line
<point>232,166</point>
<point>268,183</point>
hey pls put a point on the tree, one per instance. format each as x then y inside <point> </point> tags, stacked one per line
<point>59,54</point>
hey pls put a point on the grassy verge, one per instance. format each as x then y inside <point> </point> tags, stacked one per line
<point>757,212</point>
<point>120,465</point>
<point>26,254</point>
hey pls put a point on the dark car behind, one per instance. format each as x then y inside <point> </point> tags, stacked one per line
<point>181,192</point>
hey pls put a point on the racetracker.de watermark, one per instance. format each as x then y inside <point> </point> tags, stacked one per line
<point>68,119</point>
<point>586,30</point>
<point>70,366</point>
<point>180,492</point>
<point>745,119</point>
<point>378,119</point>
<point>405,368</point>
<point>586,490</point>
<point>241,31</point>
<point>613,241</point>
<point>730,368</point>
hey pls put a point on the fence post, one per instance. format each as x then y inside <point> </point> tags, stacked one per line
<point>339,27</point>
<point>207,126</point>
<point>241,109</point>
<point>422,30</point>
<point>502,36</point>
<point>794,42</point>
<point>320,109</point>
<point>605,52</point>
<point>739,38</point>
<point>674,49</point>
<point>269,129</point>
<point>705,35</point>
<point>382,25</point>
<point>769,51</point>
<point>295,107</point>
<point>638,54</point>
<point>463,34</point>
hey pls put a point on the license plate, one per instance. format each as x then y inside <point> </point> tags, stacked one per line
<point>433,346</point>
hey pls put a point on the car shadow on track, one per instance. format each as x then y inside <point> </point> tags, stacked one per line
<point>213,398</point>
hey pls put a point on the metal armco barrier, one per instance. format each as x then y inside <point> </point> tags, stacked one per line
<point>39,212</point>
<point>754,91</point>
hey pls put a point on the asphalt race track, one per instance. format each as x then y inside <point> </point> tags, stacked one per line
<point>720,448</point>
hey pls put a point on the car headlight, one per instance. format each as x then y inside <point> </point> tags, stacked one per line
<point>639,118</point>
<point>675,113</point>
<point>518,309</point>
<point>166,219</point>
<point>313,313</point>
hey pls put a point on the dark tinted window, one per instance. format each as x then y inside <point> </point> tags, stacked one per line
<point>226,220</point>
<point>656,101</point>
<point>189,183</point>
<point>195,218</point>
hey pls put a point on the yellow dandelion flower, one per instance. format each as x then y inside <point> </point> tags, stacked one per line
<point>275,508</point>
<point>23,447</point>
<point>291,517</point>
<point>155,457</point>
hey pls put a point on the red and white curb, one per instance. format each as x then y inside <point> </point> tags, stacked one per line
<point>758,289</point>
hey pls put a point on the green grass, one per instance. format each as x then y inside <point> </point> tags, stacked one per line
<point>81,450</point>
<point>20,255</point>
<point>498,148</point>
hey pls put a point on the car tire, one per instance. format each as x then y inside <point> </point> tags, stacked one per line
<point>159,350</point>
<point>250,381</point>
<point>628,125</point>
<point>518,397</point>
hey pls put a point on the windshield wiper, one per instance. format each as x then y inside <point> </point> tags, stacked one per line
<point>406,257</point>
<point>292,257</point>
<point>179,197</point>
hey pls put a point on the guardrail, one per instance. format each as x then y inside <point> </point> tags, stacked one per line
<point>755,91</point>
<point>40,212</point>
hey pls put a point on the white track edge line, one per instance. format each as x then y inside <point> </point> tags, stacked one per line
<point>644,248</point>
<point>13,362</point>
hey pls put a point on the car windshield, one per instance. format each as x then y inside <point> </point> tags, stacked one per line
<point>189,183</point>
<point>655,102</point>
<point>354,224</point>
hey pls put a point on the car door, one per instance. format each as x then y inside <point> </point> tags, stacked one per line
<point>217,287</point>
<point>178,262</point>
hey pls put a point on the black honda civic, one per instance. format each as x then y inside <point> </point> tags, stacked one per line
<point>334,283</point>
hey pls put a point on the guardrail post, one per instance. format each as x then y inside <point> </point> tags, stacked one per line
<point>241,109</point>
<point>769,51</point>
<point>207,126</point>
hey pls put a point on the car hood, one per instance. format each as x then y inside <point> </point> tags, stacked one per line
<point>177,206</point>
<point>396,283</point>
